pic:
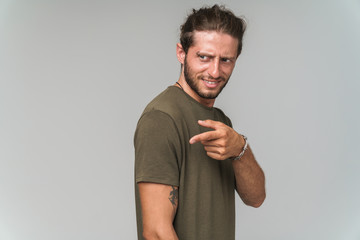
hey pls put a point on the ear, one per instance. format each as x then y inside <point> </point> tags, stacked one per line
<point>180,53</point>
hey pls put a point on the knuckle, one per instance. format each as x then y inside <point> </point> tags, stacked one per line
<point>222,151</point>
<point>223,132</point>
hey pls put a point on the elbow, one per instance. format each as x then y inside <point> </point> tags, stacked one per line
<point>158,234</point>
<point>256,203</point>
<point>150,235</point>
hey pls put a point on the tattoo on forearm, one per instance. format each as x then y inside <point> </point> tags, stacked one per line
<point>174,196</point>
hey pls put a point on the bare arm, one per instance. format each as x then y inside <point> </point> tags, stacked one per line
<point>158,204</point>
<point>223,143</point>
<point>250,179</point>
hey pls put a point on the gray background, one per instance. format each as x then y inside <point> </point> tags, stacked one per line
<point>76,75</point>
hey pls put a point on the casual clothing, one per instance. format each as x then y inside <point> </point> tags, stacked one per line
<point>206,201</point>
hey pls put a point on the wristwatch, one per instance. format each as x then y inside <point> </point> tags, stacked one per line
<point>244,149</point>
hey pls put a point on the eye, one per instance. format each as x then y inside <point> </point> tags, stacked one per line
<point>202,57</point>
<point>226,60</point>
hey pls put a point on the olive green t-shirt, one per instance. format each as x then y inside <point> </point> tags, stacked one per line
<point>206,204</point>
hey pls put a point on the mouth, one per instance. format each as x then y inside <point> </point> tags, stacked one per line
<point>211,84</point>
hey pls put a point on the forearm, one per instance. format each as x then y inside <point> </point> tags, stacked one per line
<point>250,179</point>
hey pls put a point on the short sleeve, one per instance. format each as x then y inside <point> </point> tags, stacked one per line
<point>229,123</point>
<point>157,146</point>
<point>223,118</point>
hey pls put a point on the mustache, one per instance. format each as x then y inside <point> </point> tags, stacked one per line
<point>208,77</point>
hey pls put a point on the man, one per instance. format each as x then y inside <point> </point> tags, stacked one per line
<point>188,159</point>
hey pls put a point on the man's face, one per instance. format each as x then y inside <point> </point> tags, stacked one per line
<point>209,63</point>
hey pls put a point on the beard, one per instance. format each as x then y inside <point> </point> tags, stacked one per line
<point>194,83</point>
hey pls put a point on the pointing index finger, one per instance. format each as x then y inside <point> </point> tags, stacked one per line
<point>210,135</point>
<point>209,123</point>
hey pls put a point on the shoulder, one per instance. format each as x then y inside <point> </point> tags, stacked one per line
<point>167,102</point>
<point>155,118</point>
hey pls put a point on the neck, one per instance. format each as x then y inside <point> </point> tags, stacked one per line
<point>193,94</point>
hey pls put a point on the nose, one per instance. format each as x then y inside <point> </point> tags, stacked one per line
<point>214,68</point>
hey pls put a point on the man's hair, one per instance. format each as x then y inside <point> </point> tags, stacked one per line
<point>215,18</point>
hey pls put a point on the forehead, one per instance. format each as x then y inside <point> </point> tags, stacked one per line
<point>216,42</point>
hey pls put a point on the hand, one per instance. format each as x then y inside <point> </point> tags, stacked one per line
<point>220,144</point>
